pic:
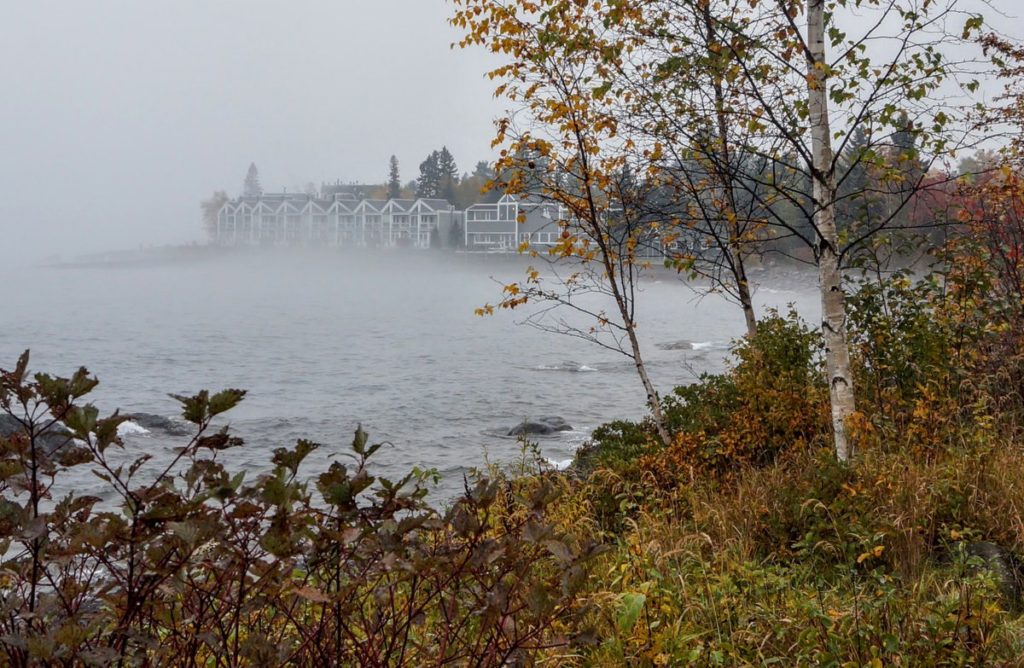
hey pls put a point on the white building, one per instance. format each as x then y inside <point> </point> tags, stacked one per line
<point>285,219</point>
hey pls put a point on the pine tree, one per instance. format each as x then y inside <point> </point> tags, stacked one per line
<point>456,236</point>
<point>855,203</point>
<point>429,183</point>
<point>252,187</point>
<point>394,181</point>
<point>448,174</point>
<point>210,208</point>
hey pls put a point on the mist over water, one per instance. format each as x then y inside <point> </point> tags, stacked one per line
<point>325,341</point>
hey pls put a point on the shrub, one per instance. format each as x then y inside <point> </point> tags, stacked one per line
<point>809,562</point>
<point>193,565</point>
<point>772,401</point>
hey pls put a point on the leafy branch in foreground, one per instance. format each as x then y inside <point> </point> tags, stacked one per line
<point>186,562</point>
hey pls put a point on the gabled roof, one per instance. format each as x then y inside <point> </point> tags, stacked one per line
<point>433,204</point>
<point>398,205</point>
<point>374,205</point>
<point>479,206</point>
<point>342,205</point>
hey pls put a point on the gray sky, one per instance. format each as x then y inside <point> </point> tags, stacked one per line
<point>118,116</point>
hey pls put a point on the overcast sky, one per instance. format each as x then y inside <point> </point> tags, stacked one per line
<point>118,116</point>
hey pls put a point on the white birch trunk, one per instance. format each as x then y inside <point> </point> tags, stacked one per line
<point>833,304</point>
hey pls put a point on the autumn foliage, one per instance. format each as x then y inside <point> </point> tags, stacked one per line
<point>196,565</point>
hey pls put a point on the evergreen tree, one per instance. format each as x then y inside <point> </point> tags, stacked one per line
<point>904,140</point>
<point>448,174</point>
<point>456,236</point>
<point>854,205</point>
<point>904,156</point>
<point>394,181</point>
<point>210,208</point>
<point>252,187</point>
<point>429,183</point>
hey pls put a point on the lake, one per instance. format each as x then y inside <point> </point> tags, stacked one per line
<point>323,342</point>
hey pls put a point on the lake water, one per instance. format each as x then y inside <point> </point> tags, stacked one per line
<point>323,342</point>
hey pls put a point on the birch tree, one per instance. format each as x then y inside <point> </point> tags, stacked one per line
<point>562,146</point>
<point>812,76</point>
<point>833,306</point>
<point>680,101</point>
<point>786,85</point>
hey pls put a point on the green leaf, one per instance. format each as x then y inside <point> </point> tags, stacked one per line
<point>359,440</point>
<point>972,24</point>
<point>81,420</point>
<point>225,400</point>
<point>630,606</point>
<point>292,459</point>
<point>193,409</point>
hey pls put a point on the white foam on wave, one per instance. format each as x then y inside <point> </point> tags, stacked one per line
<point>568,366</point>
<point>130,428</point>
<point>559,464</point>
<point>701,345</point>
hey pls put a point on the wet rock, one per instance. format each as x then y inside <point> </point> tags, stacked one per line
<point>56,437</point>
<point>161,423</point>
<point>544,426</point>
<point>675,345</point>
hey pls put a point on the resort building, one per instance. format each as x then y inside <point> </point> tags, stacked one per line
<point>336,218</point>
<point>287,219</point>
<point>509,222</point>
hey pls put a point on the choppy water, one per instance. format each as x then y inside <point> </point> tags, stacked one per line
<point>325,342</point>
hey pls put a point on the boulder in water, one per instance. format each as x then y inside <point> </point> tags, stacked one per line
<point>544,426</point>
<point>56,437</point>
<point>161,423</point>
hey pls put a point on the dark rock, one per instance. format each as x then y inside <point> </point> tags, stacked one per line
<point>1005,566</point>
<point>544,426</point>
<point>675,345</point>
<point>161,423</point>
<point>56,436</point>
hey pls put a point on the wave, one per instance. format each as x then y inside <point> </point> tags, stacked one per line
<point>131,428</point>
<point>685,344</point>
<point>571,367</point>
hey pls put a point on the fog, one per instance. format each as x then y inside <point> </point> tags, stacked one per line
<point>118,116</point>
<point>325,341</point>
